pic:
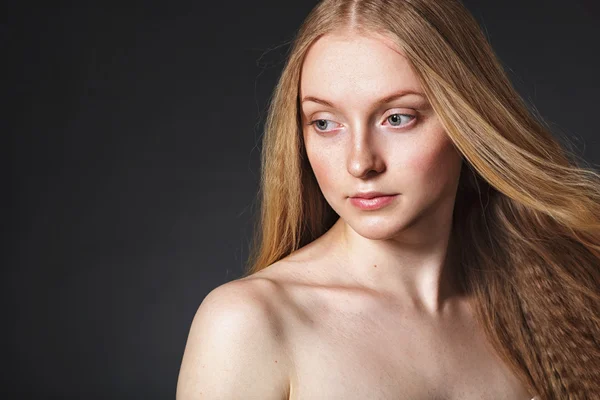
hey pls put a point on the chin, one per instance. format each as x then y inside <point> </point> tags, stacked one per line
<point>375,227</point>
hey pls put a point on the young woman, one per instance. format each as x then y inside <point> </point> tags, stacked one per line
<point>422,235</point>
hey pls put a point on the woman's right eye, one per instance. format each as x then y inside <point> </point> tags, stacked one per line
<point>321,124</point>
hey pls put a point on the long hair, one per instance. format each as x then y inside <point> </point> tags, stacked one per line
<point>526,216</point>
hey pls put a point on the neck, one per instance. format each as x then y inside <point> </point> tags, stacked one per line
<point>419,269</point>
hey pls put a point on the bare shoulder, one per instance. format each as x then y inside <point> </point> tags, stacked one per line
<point>236,347</point>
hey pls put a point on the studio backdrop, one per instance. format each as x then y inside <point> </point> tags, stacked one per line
<point>132,167</point>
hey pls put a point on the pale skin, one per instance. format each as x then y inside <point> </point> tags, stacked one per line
<point>369,310</point>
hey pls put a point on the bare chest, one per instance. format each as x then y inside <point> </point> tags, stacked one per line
<point>347,354</point>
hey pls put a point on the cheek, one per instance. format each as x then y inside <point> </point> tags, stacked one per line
<point>323,166</point>
<point>435,164</point>
<point>425,160</point>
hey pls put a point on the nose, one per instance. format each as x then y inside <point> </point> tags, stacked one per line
<point>364,159</point>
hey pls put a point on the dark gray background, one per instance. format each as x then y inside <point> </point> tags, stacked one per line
<point>131,168</point>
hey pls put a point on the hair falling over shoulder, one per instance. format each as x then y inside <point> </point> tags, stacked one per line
<point>527,212</point>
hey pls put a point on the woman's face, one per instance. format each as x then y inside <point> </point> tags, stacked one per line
<point>367,126</point>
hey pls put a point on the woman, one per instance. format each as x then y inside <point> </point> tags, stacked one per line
<point>422,235</point>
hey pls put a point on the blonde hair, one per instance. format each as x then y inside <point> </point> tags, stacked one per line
<point>526,212</point>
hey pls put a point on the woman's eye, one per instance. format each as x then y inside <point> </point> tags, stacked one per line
<point>396,119</point>
<point>322,124</point>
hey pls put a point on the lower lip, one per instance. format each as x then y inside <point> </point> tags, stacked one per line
<point>372,204</point>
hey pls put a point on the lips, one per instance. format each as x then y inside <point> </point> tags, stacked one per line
<point>375,200</point>
<point>370,195</point>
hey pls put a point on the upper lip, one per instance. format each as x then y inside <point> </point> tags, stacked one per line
<point>370,195</point>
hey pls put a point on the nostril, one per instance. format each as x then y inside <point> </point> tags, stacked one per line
<point>370,173</point>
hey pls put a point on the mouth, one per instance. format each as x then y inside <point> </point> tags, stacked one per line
<point>374,202</point>
<point>370,195</point>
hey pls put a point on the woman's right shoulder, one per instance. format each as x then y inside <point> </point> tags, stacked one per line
<point>254,292</point>
<point>236,347</point>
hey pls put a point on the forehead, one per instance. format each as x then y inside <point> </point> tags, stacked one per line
<point>346,65</point>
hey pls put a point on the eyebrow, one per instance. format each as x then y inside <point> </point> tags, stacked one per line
<point>379,102</point>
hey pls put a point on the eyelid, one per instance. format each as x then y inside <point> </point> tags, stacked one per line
<point>321,115</point>
<point>401,111</point>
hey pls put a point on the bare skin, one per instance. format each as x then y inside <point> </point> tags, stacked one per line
<point>346,341</point>
<point>371,309</point>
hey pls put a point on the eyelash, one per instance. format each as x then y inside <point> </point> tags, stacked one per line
<point>413,117</point>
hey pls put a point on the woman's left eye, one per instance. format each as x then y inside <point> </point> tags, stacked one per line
<point>396,119</point>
